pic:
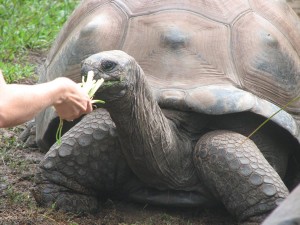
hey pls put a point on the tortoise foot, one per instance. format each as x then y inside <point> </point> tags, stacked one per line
<point>58,197</point>
<point>237,173</point>
<point>61,197</point>
<point>28,136</point>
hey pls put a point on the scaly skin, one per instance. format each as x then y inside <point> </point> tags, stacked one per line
<point>161,152</point>
<point>85,166</point>
<point>238,174</point>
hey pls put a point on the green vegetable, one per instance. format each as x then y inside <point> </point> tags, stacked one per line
<point>90,86</point>
<point>59,131</point>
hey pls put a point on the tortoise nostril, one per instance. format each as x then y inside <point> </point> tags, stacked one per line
<point>85,68</point>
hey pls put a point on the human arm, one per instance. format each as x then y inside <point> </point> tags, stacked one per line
<point>20,103</point>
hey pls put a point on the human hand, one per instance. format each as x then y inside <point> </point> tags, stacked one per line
<point>73,101</point>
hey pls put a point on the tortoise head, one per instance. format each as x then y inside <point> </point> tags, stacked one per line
<point>115,67</point>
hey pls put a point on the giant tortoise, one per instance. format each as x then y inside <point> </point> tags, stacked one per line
<point>185,83</point>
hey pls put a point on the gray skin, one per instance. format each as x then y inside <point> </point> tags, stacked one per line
<point>136,149</point>
<point>288,213</point>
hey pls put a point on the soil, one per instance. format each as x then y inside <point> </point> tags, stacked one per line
<point>18,165</point>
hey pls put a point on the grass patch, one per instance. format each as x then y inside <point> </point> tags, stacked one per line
<point>8,147</point>
<point>28,25</point>
<point>16,197</point>
<point>15,71</point>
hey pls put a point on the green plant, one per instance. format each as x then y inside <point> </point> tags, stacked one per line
<point>28,25</point>
<point>7,154</point>
<point>268,119</point>
<point>16,197</point>
<point>89,86</point>
<point>14,71</point>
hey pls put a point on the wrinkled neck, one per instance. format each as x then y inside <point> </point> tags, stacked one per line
<point>149,140</point>
<point>136,110</point>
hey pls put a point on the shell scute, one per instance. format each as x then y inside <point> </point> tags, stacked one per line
<point>172,36</point>
<point>99,30</point>
<point>282,17</point>
<point>267,63</point>
<point>222,11</point>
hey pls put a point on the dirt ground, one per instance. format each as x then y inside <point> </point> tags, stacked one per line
<point>18,165</point>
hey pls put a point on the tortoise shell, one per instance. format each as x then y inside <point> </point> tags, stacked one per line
<point>208,56</point>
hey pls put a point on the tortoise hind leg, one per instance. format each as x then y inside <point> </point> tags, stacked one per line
<point>88,165</point>
<point>237,173</point>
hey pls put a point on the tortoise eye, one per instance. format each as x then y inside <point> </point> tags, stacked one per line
<point>108,65</point>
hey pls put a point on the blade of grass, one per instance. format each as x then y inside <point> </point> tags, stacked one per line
<point>59,131</point>
<point>267,120</point>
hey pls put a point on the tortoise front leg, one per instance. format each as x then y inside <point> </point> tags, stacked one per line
<point>87,166</point>
<point>238,174</point>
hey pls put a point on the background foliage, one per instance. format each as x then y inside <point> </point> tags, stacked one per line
<point>26,26</point>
